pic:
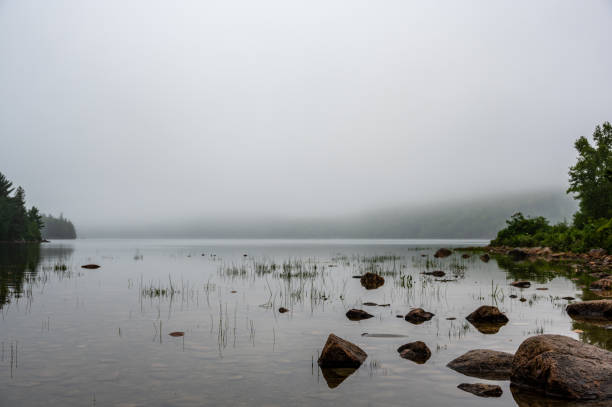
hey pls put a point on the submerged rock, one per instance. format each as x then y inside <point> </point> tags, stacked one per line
<point>563,367</point>
<point>417,351</point>
<point>485,257</point>
<point>521,284</point>
<point>358,314</point>
<point>436,273</point>
<point>595,309</point>
<point>371,281</point>
<point>90,266</point>
<point>484,364</point>
<point>418,316</point>
<point>338,352</point>
<point>177,334</point>
<point>481,389</point>
<point>443,252</point>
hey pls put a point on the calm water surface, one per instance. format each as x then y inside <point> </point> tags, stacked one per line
<point>76,337</point>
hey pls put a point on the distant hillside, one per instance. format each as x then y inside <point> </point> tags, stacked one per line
<point>57,228</point>
<point>476,218</point>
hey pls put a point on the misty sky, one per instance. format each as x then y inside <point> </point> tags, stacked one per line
<point>127,111</point>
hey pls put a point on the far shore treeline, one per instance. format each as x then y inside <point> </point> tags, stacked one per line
<point>19,224</point>
<point>590,181</point>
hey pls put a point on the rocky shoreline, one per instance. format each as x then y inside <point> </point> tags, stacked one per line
<point>596,260</point>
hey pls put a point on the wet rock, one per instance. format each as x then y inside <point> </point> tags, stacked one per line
<point>282,310</point>
<point>521,284</point>
<point>90,266</point>
<point>484,364</point>
<point>522,299</point>
<point>485,257</point>
<point>418,316</point>
<point>481,389</point>
<point>487,319</point>
<point>602,284</point>
<point>358,314</point>
<point>372,281</point>
<point>560,366</point>
<point>417,351</point>
<point>518,254</point>
<point>177,334</point>
<point>436,273</point>
<point>597,253</point>
<point>338,352</point>
<point>595,309</point>
<point>513,296</point>
<point>370,304</point>
<point>334,376</point>
<point>443,252</point>
<point>451,318</point>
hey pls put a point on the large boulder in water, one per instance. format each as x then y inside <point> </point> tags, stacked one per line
<point>417,351</point>
<point>560,366</point>
<point>443,252</point>
<point>487,319</point>
<point>418,316</point>
<point>358,314</point>
<point>596,309</point>
<point>371,281</point>
<point>484,364</point>
<point>338,352</point>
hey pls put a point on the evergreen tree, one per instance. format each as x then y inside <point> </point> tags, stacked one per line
<point>16,222</point>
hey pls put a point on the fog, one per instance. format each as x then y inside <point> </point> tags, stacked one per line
<point>136,112</point>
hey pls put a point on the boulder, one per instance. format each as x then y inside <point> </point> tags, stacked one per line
<point>358,314</point>
<point>518,254</point>
<point>481,389</point>
<point>338,352</point>
<point>443,252</point>
<point>487,319</point>
<point>484,364</point>
<point>417,351</point>
<point>595,309</point>
<point>485,257</point>
<point>418,316</point>
<point>602,284</point>
<point>371,281</point>
<point>521,284</point>
<point>597,252</point>
<point>563,367</point>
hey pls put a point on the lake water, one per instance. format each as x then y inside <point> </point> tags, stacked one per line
<point>76,337</point>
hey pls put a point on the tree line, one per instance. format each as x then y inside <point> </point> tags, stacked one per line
<point>57,228</point>
<point>590,180</point>
<point>17,223</point>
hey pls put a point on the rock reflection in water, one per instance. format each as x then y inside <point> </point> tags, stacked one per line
<point>336,375</point>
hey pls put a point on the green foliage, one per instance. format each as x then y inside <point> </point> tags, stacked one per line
<point>57,228</point>
<point>591,181</point>
<point>16,222</point>
<point>591,177</point>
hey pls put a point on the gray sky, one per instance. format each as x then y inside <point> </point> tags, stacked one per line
<point>124,111</point>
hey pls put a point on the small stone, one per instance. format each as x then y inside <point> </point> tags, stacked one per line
<point>481,389</point>
<point>418,316</point>
<point>417,351</point>
<point>282,310</point>
<point>177,334</point>
<point>358,315</point>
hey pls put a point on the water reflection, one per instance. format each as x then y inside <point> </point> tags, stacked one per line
<point>20,268</point>
<point>335,376</point>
